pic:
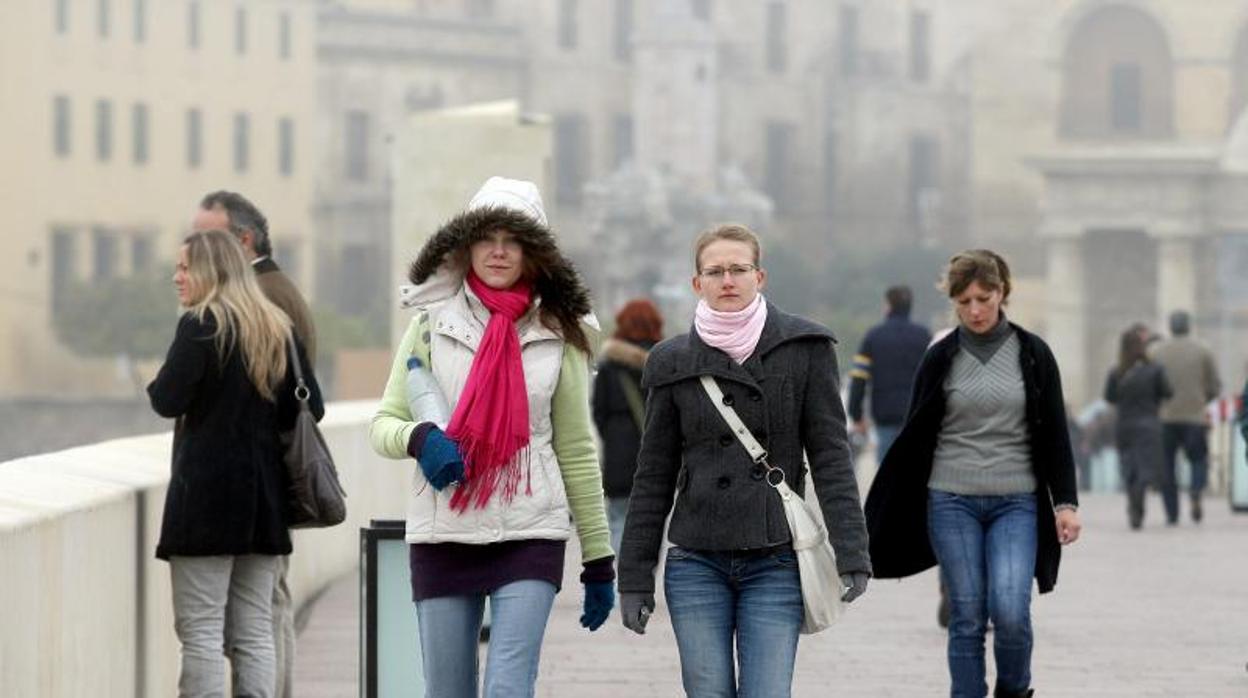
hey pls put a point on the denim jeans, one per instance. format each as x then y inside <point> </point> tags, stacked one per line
<point>755,596</point>
<point>986,547</point>
<point>207,590</point>
<point>617,511</point>
<point>1194,440</point>
<point>451,625</point>
<point>885,435</point>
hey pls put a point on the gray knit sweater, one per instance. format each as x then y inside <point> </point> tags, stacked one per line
<point>983,447</point>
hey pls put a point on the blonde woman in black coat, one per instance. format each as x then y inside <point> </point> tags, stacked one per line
<point>229,381</point>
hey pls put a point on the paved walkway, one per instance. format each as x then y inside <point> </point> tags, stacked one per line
<point>1160,612</point>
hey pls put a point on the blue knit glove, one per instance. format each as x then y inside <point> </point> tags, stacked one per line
<point>440,459</point>
<point>599,600</point>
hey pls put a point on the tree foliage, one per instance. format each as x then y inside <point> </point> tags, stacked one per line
<point>133,316</point>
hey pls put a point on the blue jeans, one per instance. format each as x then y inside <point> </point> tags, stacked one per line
<point>885,435</point>
<point>617,511</point>
<point>755,596</point>
<point>986,547</point>
<point>451,625</point>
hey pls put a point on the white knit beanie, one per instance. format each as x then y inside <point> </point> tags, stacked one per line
<point>514,194</point>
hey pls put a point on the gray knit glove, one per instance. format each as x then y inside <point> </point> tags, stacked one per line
<point>635,610</point>
<point>855,584</point>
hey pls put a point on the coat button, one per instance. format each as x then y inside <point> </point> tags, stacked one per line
<point>728,400</point>
<point>725,482</point>
<point>755,395</point>
<point>725,440</point>
<point>758,473</point>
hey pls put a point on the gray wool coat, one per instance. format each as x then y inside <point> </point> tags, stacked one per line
<point>788,394</point>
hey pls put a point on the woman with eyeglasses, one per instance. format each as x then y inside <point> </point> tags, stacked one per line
<point>731,575</point>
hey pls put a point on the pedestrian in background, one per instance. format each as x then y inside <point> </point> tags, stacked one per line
<point>1137,387</point>
<point>619,405</point>
<point>731,575</point>
<point>227,210</point>
<point>229,380</point>
<point>1193,375</point>
<point>498,323</point>
<point>887,359</point>
<point>981,479</point>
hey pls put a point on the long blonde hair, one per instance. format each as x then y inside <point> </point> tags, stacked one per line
<point>218,273</point>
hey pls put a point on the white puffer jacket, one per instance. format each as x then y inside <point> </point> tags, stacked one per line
<point>540,508</point>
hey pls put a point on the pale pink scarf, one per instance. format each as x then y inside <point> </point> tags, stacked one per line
<point>736,333</point>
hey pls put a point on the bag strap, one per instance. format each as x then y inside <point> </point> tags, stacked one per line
<point>633,397</point>
<point>757,453</point>
<point>301,388</point>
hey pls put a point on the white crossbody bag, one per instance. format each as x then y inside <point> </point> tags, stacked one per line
<point>816,561</point>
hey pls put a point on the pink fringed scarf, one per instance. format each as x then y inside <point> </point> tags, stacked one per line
<point>491,418</point>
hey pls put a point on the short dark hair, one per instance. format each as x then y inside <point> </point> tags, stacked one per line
<point>899,299</point>
<point>244,218</point>
<point>1180,323</point>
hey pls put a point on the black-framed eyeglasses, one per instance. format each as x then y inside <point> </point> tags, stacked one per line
<point>737,271</point>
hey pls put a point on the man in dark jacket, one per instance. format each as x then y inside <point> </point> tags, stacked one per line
<point>887,360</point>
<point>227,210</point>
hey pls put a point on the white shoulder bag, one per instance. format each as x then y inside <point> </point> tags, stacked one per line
<point>816,561</point>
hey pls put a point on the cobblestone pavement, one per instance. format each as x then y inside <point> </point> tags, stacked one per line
<point>1159,612</point>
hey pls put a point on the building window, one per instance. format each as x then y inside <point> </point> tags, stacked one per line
<point>139,119</point>
<point>286,146</point>
<point>702,9</point>
<point>194,138</point>
<point>920,46</point>
<point>621,139</point>
<point>777,37</point>
<point>241,127</point>
<point>571,145</point>
<point>623,39</point>
<point>283,36</point>
<point>830,155</point>
<point>240,30</point>
<point>924,184</point>
<point>192,24</point>
<point>848,45</point>
<point>61,125</point>
<point>567,24</point>
<point>140,21</point>
<point>62,16</point>
<point>357,145</point>
<point>101,18</point>
<point>104,260</point>
<point>1125,94</point>
<point>103,129</point>
<point>777,164</point>
<point>141,254</point>
<point>64,265</point>
<point>286,253</point>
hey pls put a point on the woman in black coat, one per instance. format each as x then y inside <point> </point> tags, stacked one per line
<point>1137,387</point>
<point>619,404</point>
<point>229,381</point>
<point>731,577</point>
<point>981,479</point>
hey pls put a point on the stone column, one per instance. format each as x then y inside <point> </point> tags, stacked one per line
<point>1066,315</point>
<point>1176,278</point>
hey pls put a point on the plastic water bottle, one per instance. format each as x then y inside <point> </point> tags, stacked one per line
<point>424,398</point>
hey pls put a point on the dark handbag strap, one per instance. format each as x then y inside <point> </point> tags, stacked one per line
<point>301,388</point>
<point>633,397</point>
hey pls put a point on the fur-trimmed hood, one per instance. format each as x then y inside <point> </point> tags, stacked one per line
<point>625,353</point>
<point>437,272</point>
